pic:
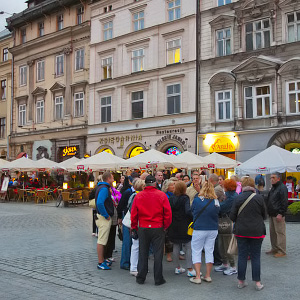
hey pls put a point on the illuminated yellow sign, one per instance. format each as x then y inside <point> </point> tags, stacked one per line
<point>222,144</point>
<point>136,151</point>
<point>106,150</point>
<point>69,151</point>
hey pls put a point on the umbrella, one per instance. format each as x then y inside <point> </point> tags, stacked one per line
<point>100,161</point>
<point>155,159</point>
<point>45,163</point>
<point>69,164</point>
<point>22,164</point>
<point>272,159</point>
<point>192,160</point>
<point>218,161</point>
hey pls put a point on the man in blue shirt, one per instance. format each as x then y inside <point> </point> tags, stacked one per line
<point>105,210</point>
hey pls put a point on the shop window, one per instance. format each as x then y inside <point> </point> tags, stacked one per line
<point>60,22</point>
<point>136,151</point>
<point>3,89</point>
<point>78,104</point>
<point>23,75</point>
<point>137,60</point>
<point>258,101</point>
<point>108,30</point>
<point>173,98</point>
<point>2,128</point>
<point>137,104</point>
<point>174,51</point>
<point>40,69</point>
<point>174,9</point>
<point>138,21</point>
<point>107,68</point>
<point>41,28</point>
<point>105,109</point>
<point>80,12</point>
<point>223,45</point>
<point>5,54</point>
<point>293,97</point>
<point>223,105</point>
<point>258,35</point>
<point>22,114</point>
<point>40,111</point>
<point>173,151</point>
<point>59,108</point>
<point>79,59</point>
<point>59,65</point>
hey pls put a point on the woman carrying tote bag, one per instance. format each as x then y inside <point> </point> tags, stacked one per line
<point>248,212</point>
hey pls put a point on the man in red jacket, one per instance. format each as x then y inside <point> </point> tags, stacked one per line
<point>151,215</point>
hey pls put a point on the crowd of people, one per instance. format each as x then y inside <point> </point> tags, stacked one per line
<point>153,215</point>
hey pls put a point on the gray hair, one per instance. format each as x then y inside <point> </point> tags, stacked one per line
<point>166,185</point>
<point>214,177</point>
<point>277,174</point>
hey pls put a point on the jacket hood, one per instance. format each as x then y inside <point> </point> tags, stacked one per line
<point>103,183</point>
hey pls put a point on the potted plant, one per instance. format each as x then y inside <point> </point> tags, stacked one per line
<point>293,213</point>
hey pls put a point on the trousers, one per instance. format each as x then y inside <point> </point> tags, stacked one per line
<point>188,255</point>
<point>223,241</point>
<point>156,237</point>
<point>126,249</point>
<point>134,257</point>
<point>278,235</point>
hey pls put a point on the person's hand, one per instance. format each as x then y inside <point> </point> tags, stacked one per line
<point>197,187</point>
<point>119,221</point>
<point>279,218</point>
<point>108,218</point>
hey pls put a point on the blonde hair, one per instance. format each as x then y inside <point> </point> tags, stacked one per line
<point>139,184</point>
<point>166,185</point>
<point>248,181</point>
<point>208,190</point>
<point>174,179</point>
<point>234,177</point>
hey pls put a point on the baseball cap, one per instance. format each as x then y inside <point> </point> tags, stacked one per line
<point>150,179</point>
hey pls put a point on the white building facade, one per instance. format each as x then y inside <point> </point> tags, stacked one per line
<point>249,87</point>
<point>142,76</point>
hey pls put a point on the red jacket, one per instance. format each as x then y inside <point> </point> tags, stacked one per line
<point>151,209</point>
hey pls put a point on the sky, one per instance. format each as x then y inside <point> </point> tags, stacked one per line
<point>10,6</point>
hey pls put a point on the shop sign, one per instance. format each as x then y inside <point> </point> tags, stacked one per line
<point>210,166</point>
<point>69,151</point>
<point>170,131</point>
<point>170,137</point>
<point>222,144</point>
<point>262,170</point>
<point>121,139</point>
<point>80,167</point>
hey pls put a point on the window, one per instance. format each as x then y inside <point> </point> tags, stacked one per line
<point>105,109</point>
<point>78,104</point>
<point>174,52</point>
<point>3,89</point>
<point>79,59</point>
<point>40,70</point>
<point>107,68</point>
<point>2,128</point>
<point>23,36</point>
<point>80,12</point>
<point>23,75</point>
<point>293,26</point>
<point>22,114</point>
<point>41,29</point>
<point>173,99</point>
<point>293,98</point>
<point>258,35</point>
<point>223,42</point>
<point>223,105</point>
<point>108,30</point>
<point>60,22</point>
<point>137,60</point>
<point>174,9</point>
<point>138,21</point>
<point>59,108</point>
<point>59,65</point>
<point>223,2</point>
<point>5,54</point>
<point>137,104</point>
<point>40,111</point>
<point>258,101</point>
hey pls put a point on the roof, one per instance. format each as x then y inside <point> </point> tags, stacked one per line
<point>4,34</point>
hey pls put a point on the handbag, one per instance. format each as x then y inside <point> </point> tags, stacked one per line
<point>127,220</point>
<point>225,225</point>
<point>233,248</point>
<point>191,226</point>
<point>92,203</point>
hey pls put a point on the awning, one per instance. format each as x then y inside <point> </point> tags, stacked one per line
<point>21,154</point>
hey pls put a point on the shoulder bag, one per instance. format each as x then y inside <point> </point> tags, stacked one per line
<point>233,249</point>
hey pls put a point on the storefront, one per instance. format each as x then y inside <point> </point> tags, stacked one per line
<point>65,149</point>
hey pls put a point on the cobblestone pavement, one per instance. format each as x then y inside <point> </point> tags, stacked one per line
<point>49,253</point>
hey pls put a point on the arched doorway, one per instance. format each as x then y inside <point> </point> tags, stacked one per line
<point>106,149</point>
<point>134,150</point>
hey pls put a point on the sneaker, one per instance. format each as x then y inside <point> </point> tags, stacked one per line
<point>111,259</point>
<point>179,270</point>
<point>108,262</point>
<point>195,280</point>
<point>103,266</point>
<point>134,273</point>
<point>191,273</point>
<point>221,268</point>
<point>181,252</point>
<point>230,271</point>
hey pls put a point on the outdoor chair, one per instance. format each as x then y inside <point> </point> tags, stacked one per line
<point>21,195</point>
<point>41,195</point>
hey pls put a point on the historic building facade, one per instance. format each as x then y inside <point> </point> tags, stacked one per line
<point>51,74</point>
<point>142,76</point>
<point>249,85</point>
<point>5,94</point>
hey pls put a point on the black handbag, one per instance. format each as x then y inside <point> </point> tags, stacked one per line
<point>225,225</point>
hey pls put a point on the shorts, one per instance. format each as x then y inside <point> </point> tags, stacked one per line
<point>103,229</point>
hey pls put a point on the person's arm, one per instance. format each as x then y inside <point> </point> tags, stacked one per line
<point>283,201</point>
<point>187,208</point>
<point>234,211</point>
<point>134,215</point>
<point>102,195</point>
<point>167,212</point>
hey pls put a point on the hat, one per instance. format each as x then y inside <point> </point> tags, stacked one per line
<point>150,179</point>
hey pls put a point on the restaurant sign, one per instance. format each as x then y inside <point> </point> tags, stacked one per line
<point>222,144</point>
<point>69,151</point>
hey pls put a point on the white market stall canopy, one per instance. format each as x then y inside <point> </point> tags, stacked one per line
<point>218,161</point>
<point>273,159</point>
<point>3,162</point>
<point>69,164</point>
<point>101,161</point>
<point>192,160</point>
<point>45,163</point>
<point>22,164</point>
<point>155,159</point>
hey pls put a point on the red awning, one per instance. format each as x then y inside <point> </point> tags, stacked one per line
<point>21,154</point>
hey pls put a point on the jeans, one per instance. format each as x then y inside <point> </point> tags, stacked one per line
<point>156,237</point>
<point>248,246</point>
<point>126,249</point>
